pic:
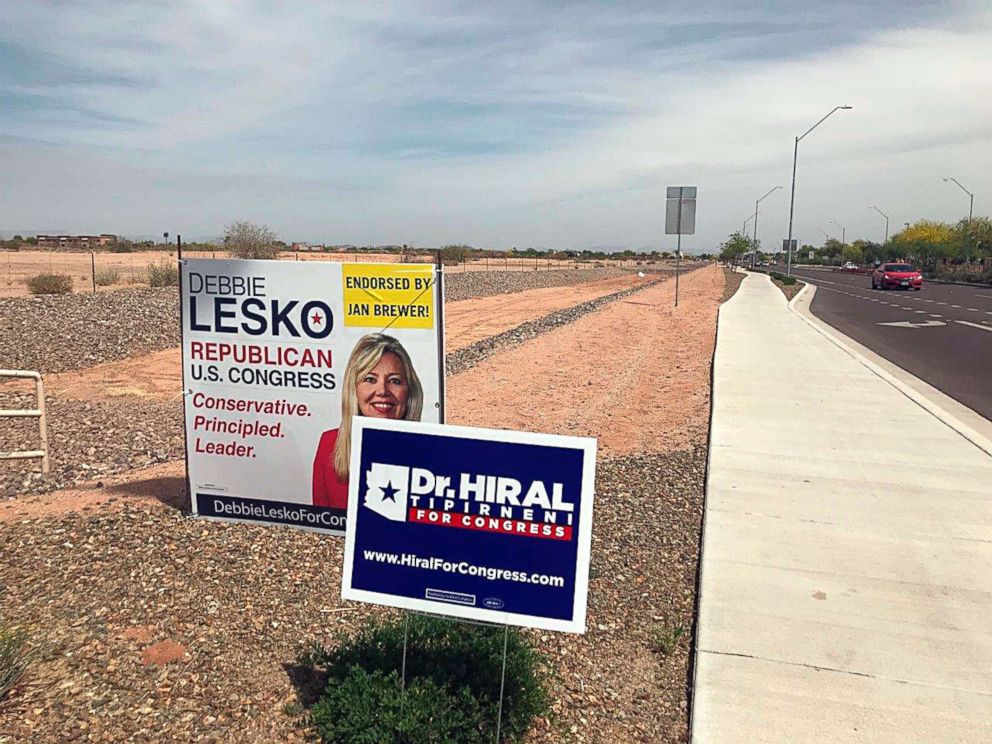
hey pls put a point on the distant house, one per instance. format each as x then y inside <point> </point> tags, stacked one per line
<point>308,247</point>
<point>76,242</point>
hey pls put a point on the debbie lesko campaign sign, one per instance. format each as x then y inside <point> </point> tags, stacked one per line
<point>279,357</point>
<point>476,523</point>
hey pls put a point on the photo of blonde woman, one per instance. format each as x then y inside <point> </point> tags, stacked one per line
<point>379,382</point>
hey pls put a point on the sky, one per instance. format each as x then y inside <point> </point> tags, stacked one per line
<point>545,124</point>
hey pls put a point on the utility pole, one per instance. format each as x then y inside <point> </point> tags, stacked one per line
<point>886,223</point>
<point>754,241</point>
<point>971,196</point>
<point>795,157</point>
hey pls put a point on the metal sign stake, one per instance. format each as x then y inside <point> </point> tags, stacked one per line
<point>406,635</point>
<point>502,684</point>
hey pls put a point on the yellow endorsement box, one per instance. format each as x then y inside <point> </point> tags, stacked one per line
<point>397,295</point>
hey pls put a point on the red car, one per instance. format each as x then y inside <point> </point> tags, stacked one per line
<point>896,276</point>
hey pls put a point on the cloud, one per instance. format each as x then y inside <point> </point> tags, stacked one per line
<point>518,123</point>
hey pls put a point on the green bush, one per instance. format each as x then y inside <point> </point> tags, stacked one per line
<point>106,277</point>
<point>15,657</point>
<point>50,284</point>
<point>452,685</point>
<point>788,281</point>
<point>164,274</point>
<point>455,254</point>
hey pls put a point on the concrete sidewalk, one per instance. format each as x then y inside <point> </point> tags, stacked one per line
<point>846,588</point>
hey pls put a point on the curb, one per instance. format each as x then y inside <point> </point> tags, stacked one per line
<point>979,285</point>
<point>847,344</point>
<point>697,606</point>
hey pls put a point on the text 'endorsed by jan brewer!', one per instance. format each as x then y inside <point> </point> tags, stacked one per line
<point>380,296</point>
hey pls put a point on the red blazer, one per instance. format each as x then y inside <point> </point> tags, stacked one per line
<point>328,490</point>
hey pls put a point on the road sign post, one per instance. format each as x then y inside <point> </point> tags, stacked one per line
<point>789,248</point>
<point>680,219</point>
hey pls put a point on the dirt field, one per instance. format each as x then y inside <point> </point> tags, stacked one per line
<point>159,375</point>
<point>163,628</point>
<point>132,268</point>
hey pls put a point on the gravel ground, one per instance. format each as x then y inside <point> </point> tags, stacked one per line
<point>790,290</point>
<point>55,333</point>
<point>733,281</point>
<point>92,329</point>
<point>157,627</point>
<point>474,284</point>
<point>88,440</point>
<point>91,439</point>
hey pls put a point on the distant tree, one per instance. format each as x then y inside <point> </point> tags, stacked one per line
<point>870,251</point>
<point>18,238</point>
<point>852,252</point>
<point>972,238</point>
<point>735,247</point>
<point>925,231</point>
<point>32,240</point>
<point>832,249</point>
<point>245,239</point>
<point>455,254</point>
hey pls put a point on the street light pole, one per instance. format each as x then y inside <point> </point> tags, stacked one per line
<point>754,242</point>
<point>886,223</point>
<point>843,233</point>
<point>971,196</point>
<point>792,200</point>
<point>744,226</point>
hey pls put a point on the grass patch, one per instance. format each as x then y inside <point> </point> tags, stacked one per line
<point>163,274</point>
<point>107,277</point>
<point>452,684</point>
<point>49,284</point>
<point>666,637</point>
<point>15,658</point>
<point>788,281</point>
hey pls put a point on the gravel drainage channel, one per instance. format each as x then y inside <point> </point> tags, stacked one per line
<point>465,359</point>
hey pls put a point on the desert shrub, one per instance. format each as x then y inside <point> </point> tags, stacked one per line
<point>15,657</point>
<point>106,277</point>
<point>455,254</point>
<point>164,274</point>
<point>452,684</point>
<point>245,239</point>
<point>50,284</point>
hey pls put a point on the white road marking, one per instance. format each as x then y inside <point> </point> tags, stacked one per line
<point>957,306</point>
<point>987,297</point>
<point>973,325</point>
<point>924,324</point>
<point>932,315</point>
<point>972,309</point>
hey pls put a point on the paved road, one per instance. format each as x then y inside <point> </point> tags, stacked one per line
<point>942,334</point>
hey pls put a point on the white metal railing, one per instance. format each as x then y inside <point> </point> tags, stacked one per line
<point>38,413</point>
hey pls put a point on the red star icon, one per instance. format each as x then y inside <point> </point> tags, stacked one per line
<point>316,319</point>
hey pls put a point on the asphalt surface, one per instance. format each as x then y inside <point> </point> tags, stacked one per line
<point>942,334</point>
